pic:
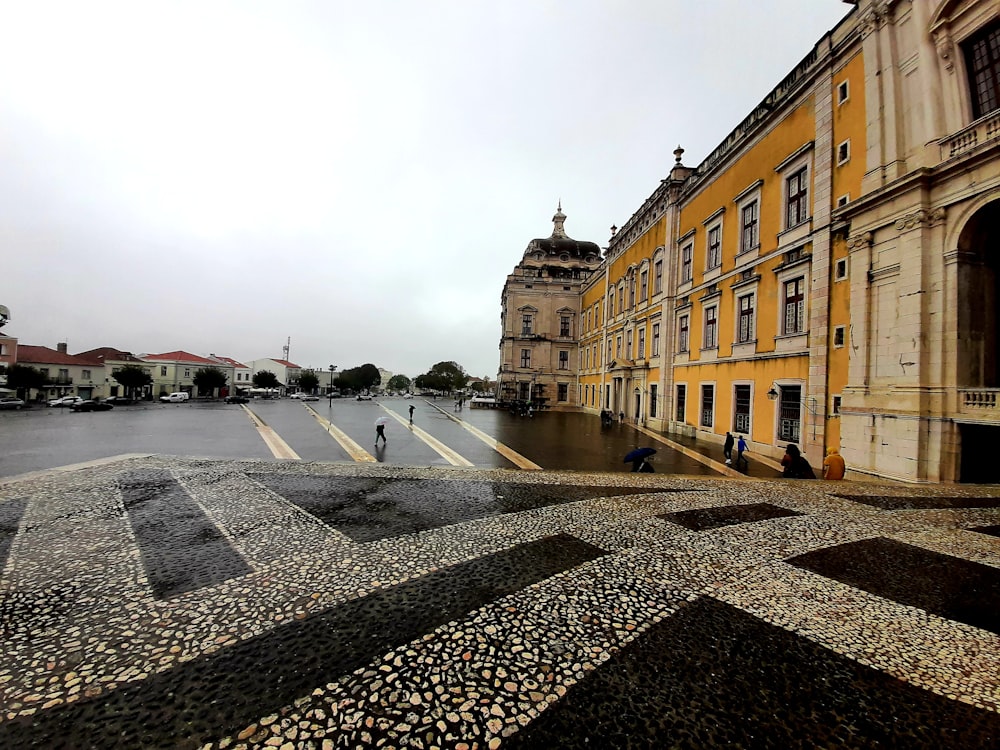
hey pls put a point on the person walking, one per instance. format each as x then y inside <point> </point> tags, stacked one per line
<point>741,448</point>
<point>411,413</point>
<point>727,448</point>
<point>833,465</point>
<point>380,433</point>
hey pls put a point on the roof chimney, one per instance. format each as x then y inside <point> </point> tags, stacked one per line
<point>61,348</point>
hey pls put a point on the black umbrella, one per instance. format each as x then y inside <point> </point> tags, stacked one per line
<point>638,454</point>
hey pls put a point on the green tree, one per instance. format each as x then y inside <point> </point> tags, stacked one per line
<point>359,378</point>
<point>265,379</point>
<point>22,378</point>
<point>444,376</point>
<point>208,379</point>
<point>133,378</point>
<point>398,383</point>
<point>308,381</point>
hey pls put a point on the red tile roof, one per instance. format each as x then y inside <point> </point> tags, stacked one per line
<point>232,362</point>
<point>42,355</point>
<point>104,353</point>
<point>286,363</point>
<point>178,356</point>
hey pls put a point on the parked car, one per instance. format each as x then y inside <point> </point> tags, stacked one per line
<point>175,398</point>
<point>119,400</point>
<point>308,397</point>
<point>92,405</point>
<point>407,395</point>
<point>65,401</point>
<point>9,402</point>
<point>364,397</point>
<point>237,400</point>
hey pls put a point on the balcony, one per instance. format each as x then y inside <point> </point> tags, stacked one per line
<point>981,402</point>
<point>61,380</point>
<point>982,131</point>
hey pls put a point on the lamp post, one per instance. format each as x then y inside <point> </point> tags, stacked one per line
<point>333,369</point>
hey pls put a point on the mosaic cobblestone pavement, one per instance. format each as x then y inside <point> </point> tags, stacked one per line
<point>155,602</point>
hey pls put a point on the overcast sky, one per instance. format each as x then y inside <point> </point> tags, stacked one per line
<point>360,177</point>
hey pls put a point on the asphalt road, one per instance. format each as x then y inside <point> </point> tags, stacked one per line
<point>44,438</point>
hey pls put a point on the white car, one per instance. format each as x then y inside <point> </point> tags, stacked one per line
<point>407,395</point>
<point>65,401</point>
<point>364,397</point>
<point>175,398</point>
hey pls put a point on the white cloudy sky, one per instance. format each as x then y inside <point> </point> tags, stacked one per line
<point>218,176</point>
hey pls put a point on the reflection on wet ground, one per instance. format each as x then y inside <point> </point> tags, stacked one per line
<point>164,602</point>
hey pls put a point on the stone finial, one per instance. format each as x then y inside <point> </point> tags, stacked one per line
<point>678,153</point>
<point>558,220</point>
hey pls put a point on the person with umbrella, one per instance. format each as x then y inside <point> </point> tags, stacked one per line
<point>638,460</point>
<point>380,424</point>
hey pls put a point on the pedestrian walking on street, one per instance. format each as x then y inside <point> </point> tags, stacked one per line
<point>727,449</point>
<point>411,413</point>
<point>833,465</point>
<point>741,448</point>
<point>380,424</point>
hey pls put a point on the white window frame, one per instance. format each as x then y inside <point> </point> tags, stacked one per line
<point>701,400</point>
<point>748,197</point>
<point>654,344</point>
<point>844,146</point>
<point>687,262</point>
<point>842,330</point>
<point>840,263</point>
<point>751,336</point>
<point>710,337</point>
<point>843,92</point>
<point>801,159</point>
<point>684,333</point>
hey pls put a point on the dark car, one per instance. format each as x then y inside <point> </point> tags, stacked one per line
<point>237,400</point>
<point>91,405</point>
<point>119,400</point>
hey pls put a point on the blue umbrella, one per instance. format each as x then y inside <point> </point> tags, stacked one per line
<point>638,454</point>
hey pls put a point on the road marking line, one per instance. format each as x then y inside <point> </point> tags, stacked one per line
<point>278,447</point>
<point>509,453</point>
<point>443,450</point>
<point>355,451</point>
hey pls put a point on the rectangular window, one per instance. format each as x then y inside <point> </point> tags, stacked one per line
<point>631,293</point>
<point>526,321</point>
<point>711,327</point>
<point>714,247</point>
<point>563,392</point>
<point>741,409</point>
<point>64,376</point>
<point>564,325</point>
<point>85,374</point>
<point>707,405</point>
<point>163,372</point>
<point>838,336</point>
<point>844,152</point>
<point>621,299</point>
<point>687,254</point>
<point>3,350</point>
<point>746,330</point>
<point>563,360</point>
<point>841,269</point>
<point>523,388</point>
<point>843,200</point>
<point>750,233</point>
<point>628,344</point>
<point>681,398</point>
<point>643,286</point>
<point>836,405</point>
<point>587,355</point>
<point>683,341</point>
<point>843,92</point>
<point>798,198</point>
<point>982,60</point>
<point>609,350</point>
<point>187,372</point>
<point>618,346</point>
<point>658,277</point>
<point>794,317</point>
<point>640,351</point>
<point>597,313</point>
<point>655,352</point>
<point>611,301</point>
<point>790,412</point>
<point>652,400</point>
<point>526,358</point>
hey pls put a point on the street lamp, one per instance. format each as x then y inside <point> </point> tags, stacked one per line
<point>333,369</point>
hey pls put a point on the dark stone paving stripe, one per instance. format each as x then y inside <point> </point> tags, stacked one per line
<point>889,502</point>
<point>943,585</point>
<point>182,550</point>
<point>10,520</point>
<point>714,676</point>
<point>366,509</point>
<point>221,693</point>
<point>991,530</point>
<point>702,519</point>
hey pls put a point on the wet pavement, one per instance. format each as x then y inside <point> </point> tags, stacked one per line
<point>185,603</point>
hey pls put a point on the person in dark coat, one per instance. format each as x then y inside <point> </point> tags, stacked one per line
<point>727,448</point>
<point>642,465</point>
<point>794,464</point>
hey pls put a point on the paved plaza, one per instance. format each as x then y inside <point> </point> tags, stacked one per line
<point>173,602</point>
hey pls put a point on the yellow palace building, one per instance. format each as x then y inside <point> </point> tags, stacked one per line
<point>829,275</point>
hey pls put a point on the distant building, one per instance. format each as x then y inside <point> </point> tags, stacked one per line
<point>65,374</point>
<point>540,319</point>
<point>242,377</point>
<point>175,371</point>
<point>112,359</point>
<point>286,372</point>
